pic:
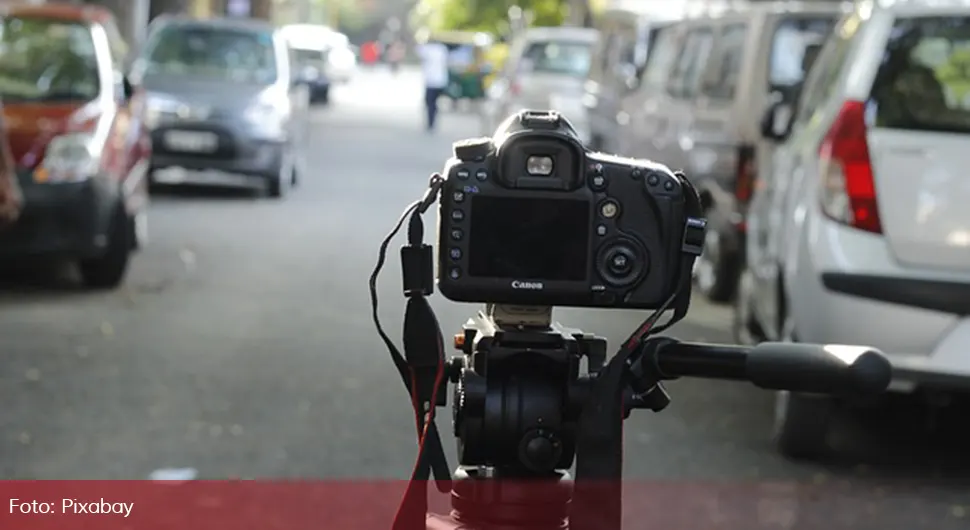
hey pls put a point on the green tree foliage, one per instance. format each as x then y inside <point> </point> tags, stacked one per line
<point>488,15</point>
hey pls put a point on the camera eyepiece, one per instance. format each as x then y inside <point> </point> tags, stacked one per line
<point>540,165</point>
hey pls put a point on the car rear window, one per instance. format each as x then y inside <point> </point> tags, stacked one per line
<point>232,54</point>
<point>923,82</point>
<point>46,59</point>
<point>307,57</point>
<point>559,57</point>
<point>793,37</point>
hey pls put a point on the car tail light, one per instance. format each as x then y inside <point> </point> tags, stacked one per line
<point>515,88</point>
<point>744,181</point>
<point>848,190</point>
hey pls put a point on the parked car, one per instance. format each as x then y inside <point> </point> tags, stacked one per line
<point>546,68</point>
<point>619,60</point>
<point>76,133</point>
<point>309,58</point>
<point>341,59</point>
<point>701,112</point>
<point>860,233</point>
<point>221,101</point>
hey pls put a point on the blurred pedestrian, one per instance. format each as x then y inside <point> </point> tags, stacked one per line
<point>369,52</point>
<point>395,54</point>
<point>11,198</point>
<point>434,66</point>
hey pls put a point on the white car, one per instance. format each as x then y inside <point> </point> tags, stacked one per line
<point>860,231</point>
<point>341,60</point>
<point>546,69</point>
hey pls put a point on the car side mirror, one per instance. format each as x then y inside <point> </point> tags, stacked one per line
<point>777,121</point>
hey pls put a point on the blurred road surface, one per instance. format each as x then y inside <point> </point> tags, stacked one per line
<point>242,344</point>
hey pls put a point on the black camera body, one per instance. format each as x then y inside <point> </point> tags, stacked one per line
<point>532,217</point>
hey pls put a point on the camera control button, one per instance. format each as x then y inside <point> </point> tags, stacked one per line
<point>457,234</point>
<point>455,253</point>
<point>653,179</point>
<point>463,174</point>
<point>457,215</point>
<point>620,263</point>
<point>481,175</point>
<point>601,230</point>
<point>637,173</point>
<point>669,185</point>
<point>454,273</point>
<point>458,196</point>
<point>609,209</point>
<point>596,169</point>
<point>597,182</point>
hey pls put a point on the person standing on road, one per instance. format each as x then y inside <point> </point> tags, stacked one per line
<point>434,65</point>
<point>11,198</point>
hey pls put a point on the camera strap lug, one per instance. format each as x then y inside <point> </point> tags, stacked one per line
<point>694,231</point>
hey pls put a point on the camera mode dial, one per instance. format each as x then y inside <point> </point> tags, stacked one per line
<point>621,263</point>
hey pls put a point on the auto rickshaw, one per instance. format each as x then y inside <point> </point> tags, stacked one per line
<point>467,65</point>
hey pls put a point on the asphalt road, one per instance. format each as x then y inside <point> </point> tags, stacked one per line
<point>242,346</point>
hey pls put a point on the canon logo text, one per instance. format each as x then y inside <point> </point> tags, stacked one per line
<point>529,286</point>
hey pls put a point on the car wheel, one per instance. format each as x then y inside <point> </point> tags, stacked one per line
<point>801,422</point>
<point>108,270</point>
<point>714,271</point>
<point>280,183</point>
<point>745,329</point>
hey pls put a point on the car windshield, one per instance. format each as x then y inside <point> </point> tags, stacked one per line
<point>221,53</point>
<point>559,57</point>
<point>45,59</point>
<point>927,60</point>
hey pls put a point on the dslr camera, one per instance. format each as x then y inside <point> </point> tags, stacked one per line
<point>532,217</point>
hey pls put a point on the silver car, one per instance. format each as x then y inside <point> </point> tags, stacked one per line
<point>223,106</point>
<point>546,69</point>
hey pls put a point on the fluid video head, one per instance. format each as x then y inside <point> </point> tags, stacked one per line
<point>531,217</point>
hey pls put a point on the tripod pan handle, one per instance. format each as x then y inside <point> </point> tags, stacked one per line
<point>818,368</point>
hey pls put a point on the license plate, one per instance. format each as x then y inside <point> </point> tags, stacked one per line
<point>191,141</point>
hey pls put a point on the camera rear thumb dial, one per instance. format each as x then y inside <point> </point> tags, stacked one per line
<point>621,264</point>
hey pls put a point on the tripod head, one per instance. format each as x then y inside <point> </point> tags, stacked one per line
<point>525,410</point>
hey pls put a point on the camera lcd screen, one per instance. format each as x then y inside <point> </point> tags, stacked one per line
<point>530,239</point>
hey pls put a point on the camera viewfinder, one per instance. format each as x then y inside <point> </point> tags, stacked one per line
<point>539,166</point>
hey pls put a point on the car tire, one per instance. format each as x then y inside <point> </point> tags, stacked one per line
<point>801,422</point>
<point>744,326</point>
<point>715,272</point>
<point>108,270</point>
<point>320,96</point>
<point>279,184</point>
